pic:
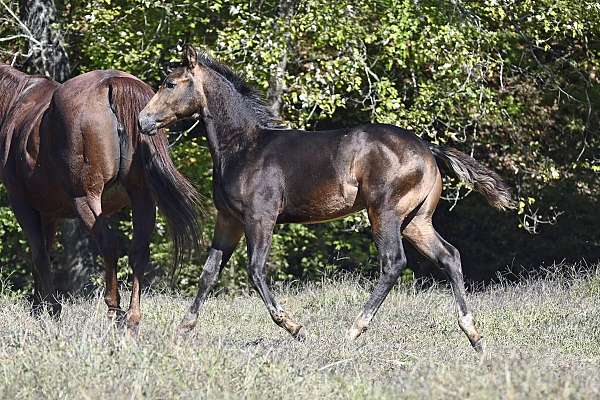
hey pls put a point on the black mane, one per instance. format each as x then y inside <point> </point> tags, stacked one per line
<point>252,97</point>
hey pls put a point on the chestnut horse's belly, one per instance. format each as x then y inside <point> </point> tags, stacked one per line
<point>114,198</point>
<point>55,204</point>
<point>58,204</point>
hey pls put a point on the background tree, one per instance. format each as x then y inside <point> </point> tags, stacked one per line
<point>515,83</point>
<point>47,54</point>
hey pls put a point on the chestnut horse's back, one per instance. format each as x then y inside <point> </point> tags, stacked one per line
<point>97,143</point>
<point>85,139</point>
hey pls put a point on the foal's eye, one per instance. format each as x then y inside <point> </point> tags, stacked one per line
<point>170,84</point>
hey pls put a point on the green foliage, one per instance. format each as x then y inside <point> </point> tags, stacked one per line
<point>513,82</point>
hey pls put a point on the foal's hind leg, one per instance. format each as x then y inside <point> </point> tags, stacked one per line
<point>387,234</point>
<point>259,234</point>
<point>422,235</point>
<point>227,234</point>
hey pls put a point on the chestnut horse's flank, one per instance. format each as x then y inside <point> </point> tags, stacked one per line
<point>265,175</point>
<point>74,150</point>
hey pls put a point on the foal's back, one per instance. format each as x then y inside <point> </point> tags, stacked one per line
<point>328,174</point>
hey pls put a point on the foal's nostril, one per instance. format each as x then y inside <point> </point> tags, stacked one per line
<point>146,124</point>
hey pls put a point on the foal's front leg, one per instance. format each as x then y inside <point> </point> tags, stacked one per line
<point>259,233</point>
<point>228,232</point>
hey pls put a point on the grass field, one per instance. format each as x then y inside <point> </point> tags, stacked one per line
<point>543,341</point>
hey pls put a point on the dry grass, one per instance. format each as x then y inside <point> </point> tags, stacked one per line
<point>542,336</point>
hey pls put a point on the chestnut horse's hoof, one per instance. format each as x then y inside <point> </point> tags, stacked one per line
<point>133,329</point>
<point>54,309</point>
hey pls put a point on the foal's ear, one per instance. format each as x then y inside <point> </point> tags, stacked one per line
<point>190,56</point>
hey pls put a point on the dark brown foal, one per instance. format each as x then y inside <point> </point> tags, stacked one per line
<point>264,175</point>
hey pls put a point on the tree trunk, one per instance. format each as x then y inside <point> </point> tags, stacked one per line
<point>46,46</point>
<point>47,56</point>
<point>77,262</point>
<point>277,83</point>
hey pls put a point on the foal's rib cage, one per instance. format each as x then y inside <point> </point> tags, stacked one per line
<point>263,175</point>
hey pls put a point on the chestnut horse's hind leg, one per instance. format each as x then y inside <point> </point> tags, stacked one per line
<point>387,233</point>
<point>422,235</point>
<point>89,211</point>
<point>144,217</point>
<point>228,232</point>
<point>36,232</point>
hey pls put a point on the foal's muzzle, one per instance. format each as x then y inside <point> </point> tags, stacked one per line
<point>147,124</point>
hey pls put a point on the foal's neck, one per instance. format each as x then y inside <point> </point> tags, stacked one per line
<point>231,126</point>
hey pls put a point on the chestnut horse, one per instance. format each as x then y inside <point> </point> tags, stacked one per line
<point>74,150</point>
<point>265,175</point>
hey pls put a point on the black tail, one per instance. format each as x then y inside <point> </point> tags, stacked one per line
<point>497,193</point>
<point>177,199</point>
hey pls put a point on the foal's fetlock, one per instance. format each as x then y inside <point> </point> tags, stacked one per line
<point>359,327</point>
<point>282,319</point>
<point>467,324</point>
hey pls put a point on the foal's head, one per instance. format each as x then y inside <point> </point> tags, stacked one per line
<point>199,84</point>
<point>180,96</point>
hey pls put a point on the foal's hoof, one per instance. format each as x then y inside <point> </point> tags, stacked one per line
<point>186,326</point>
<point>184,329</point>
<point>479,346</point>
<point>354,332</point>
<point>133,329</point>
<point>300,335</point>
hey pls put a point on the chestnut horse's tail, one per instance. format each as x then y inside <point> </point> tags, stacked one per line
<point>177,199</point>
<point>497,193</point>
